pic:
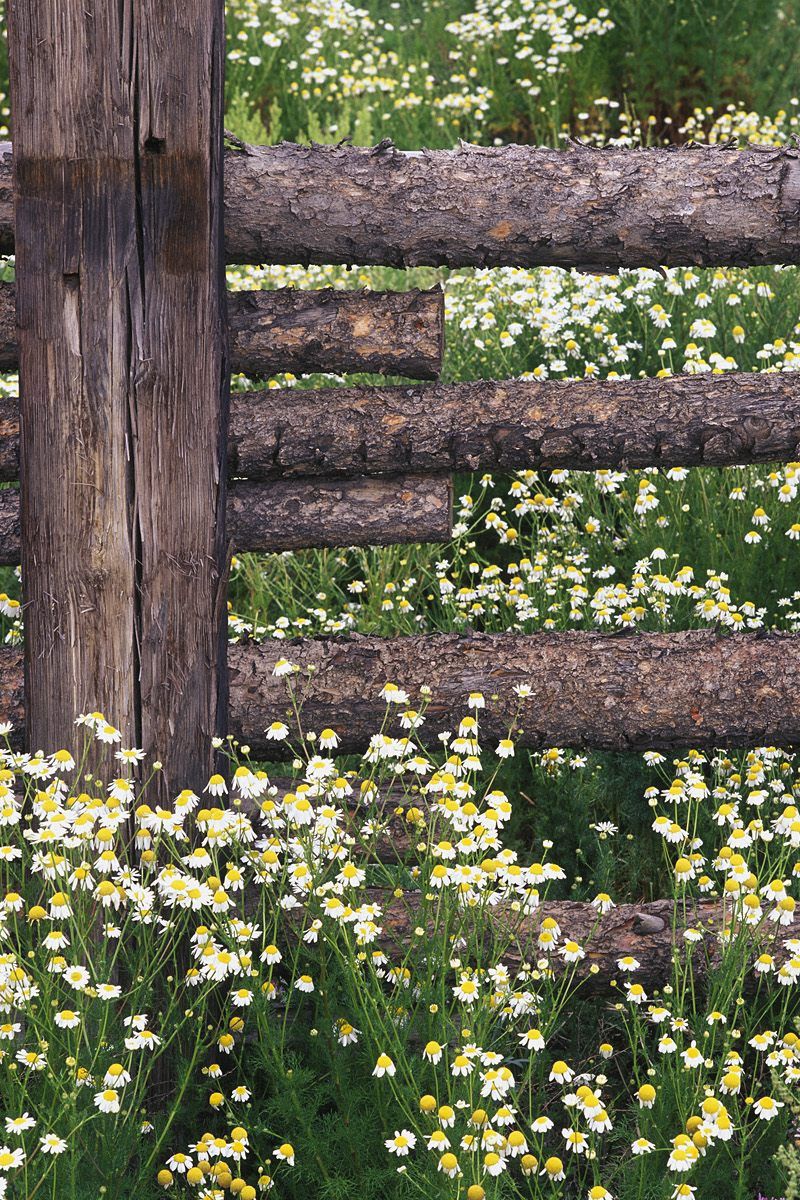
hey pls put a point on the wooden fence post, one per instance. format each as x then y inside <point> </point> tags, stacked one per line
<point>118,155</point>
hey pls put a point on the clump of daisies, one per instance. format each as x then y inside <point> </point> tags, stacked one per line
<point>323,939</point>
<point>396,940</point>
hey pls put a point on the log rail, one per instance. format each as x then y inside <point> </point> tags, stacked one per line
<point>507,425</point>
<point>308,513</point>
<point>371,465</point>
<point>518,206</point>
<point>331,330</point>
<point>660,691</point>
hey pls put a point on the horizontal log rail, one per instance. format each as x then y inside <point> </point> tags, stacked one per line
<point>503,206</point>
<point>297,514</point>
<point>300,514</point>
<point>600,691</point>
<point>689,420</point>
<point>383,333</point>
<point>643,931</point>
<point>658,691</point>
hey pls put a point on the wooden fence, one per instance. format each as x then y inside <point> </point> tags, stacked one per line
<point>123,207</point>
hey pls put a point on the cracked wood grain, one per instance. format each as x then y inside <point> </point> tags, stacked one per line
<point>118,215</point>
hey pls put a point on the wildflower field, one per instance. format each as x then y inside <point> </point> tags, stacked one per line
<point>330,978</point>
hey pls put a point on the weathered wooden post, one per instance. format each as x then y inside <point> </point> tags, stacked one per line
<point>118,159</point>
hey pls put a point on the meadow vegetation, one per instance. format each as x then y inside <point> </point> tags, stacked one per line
<point>245,936</point>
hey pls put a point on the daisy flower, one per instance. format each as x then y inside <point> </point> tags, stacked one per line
<point>107,1100</point>
<point>19,1124</point>
<point>51,1143</point>
<point>402,1143</point>
<point>11,1159</point>
<point>384,1066</point>
<point>766,1108</point>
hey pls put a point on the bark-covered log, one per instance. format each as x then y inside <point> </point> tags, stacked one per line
<point>10,534</point>
<point>386,333</point>
<point>9,349</point>
<point>643,931</point>
<point>513,206</point>
<point>294,514</point>
<point>667,691</point>
<point>604,691</point>
<point>299,514</point>
<point>6,199</point>
<point>12,696</point>
<point>9,438</point>
<point>503,206</point>
<point>690,420</point>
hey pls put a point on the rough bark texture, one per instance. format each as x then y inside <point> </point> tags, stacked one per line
<point>9,438</point>
<point>691,420</point>
<point>641,930</point>
<point>118,196</point>
<point>513,206</point>
<point>667,691</point>
<point>504,206</point>
<point>386,333</point>
<point>9,350</point>
<point>604,691</point>
<point>10,537</point>
<point>697,420</point>
<point>295,514</point>
<point>12,694</point>
<point>6,198</point>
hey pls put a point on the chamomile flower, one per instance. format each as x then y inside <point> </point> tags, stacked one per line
<point>18,1125</point>
<point>766,1108</point>
<point>384,1066</point>
<point>51,1143</point>
<point>108,1100</point>
<point>402,1143</point>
